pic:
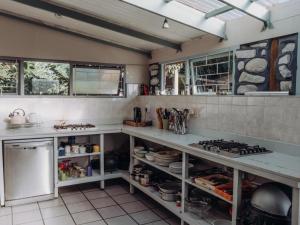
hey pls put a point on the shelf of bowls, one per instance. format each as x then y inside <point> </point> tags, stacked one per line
<point>202,195</point>
<point>78,158</point>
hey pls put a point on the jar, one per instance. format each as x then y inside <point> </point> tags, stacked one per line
<point>75,149</point>
<point>96,148</point>
<point>82,149</point>
<point>61,151</point>
<point>67,149</point>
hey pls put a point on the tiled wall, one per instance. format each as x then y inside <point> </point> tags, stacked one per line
<point>271,118</point>
<point>52,109</point>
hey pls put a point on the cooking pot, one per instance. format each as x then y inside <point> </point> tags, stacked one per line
<point>169,197</point>
<point>17,117</point>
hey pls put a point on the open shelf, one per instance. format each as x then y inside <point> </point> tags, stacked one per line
<point>116,174</point>
<point>73,181</point>
<point>72,155</point>
<point>162,168</point>
<point>207,191</point>
<point>194,219</point>
<point>151,192</point>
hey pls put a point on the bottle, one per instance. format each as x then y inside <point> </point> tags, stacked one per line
<point>89,170</point>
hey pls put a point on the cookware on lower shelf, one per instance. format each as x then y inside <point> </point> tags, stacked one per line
<point>169,191</point>
<point>176,167</point>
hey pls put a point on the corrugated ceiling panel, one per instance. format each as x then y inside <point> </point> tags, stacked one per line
<point>129,16</point>
<point>210,5</point>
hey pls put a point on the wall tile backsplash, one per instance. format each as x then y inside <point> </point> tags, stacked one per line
<point>271,118</point>
<point>51,110</point>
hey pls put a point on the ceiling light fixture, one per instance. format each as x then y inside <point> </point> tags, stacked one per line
<point>166,24</point>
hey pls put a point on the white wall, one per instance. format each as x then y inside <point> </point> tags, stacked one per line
<point>25,40</point>
<point>266,120</point>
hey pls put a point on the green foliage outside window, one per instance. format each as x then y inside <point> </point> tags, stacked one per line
<point>8,77</point>
<point>44,78</point>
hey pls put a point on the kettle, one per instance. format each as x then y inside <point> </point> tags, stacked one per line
<point>17,117</point>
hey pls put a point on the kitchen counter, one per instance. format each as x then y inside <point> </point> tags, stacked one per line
<point>40,132</point>
<point>280,167</point>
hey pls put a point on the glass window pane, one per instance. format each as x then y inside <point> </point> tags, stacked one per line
<point>214,75</point>
<point>46,78</point>
<point>175,79</point>
<point>96,81</point>
<point>9,72</point>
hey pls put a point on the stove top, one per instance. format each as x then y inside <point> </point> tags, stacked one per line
<point>230,148</point>
<point>74,126</point>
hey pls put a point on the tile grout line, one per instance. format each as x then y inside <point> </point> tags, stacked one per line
<point>67,208</point>
<point>41,213</point>
<point>121,207</point>
<point>94,206</point>
<point>128,213</point>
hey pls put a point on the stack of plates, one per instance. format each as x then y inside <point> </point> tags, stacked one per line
<point>164,158</point>
<point>176,167</point>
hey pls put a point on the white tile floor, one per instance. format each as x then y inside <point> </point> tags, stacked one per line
<point>88,205</point>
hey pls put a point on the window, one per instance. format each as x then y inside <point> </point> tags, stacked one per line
<point>174,79</point>
<point>46,78</point>
<point>212,73</point>
<point>9,74</point>
<point>98,80</point>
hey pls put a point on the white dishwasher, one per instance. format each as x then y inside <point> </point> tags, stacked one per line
<point>28,168</point>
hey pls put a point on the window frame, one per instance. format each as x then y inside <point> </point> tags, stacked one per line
<point>21,85</point>
<point>187,75</point>
<point>99,66</point>
<point>206,57</point>
<point>18,80</point>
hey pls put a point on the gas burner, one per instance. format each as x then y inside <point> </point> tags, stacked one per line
<point>230,148</point>
<point>74,126</point>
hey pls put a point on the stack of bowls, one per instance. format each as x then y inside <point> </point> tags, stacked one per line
<point>140,151</point>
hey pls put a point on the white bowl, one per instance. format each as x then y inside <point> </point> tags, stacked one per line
<point>138,148</point>
<point>150,157</point>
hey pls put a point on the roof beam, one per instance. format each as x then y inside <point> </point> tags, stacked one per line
<point>183,14</point>
<point>70,32</point>
<point>218,11</point>
<point>251,8</point>
<point>98,22</point>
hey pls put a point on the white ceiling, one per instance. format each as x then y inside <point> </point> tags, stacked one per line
<point>113,11</point>
<point>118,12</point>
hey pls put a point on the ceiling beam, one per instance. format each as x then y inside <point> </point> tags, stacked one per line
<point>98,22</point>
<point>251,8</point>
<point>71,32</point>
<point>183,14</point>
<point>218,11</point>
